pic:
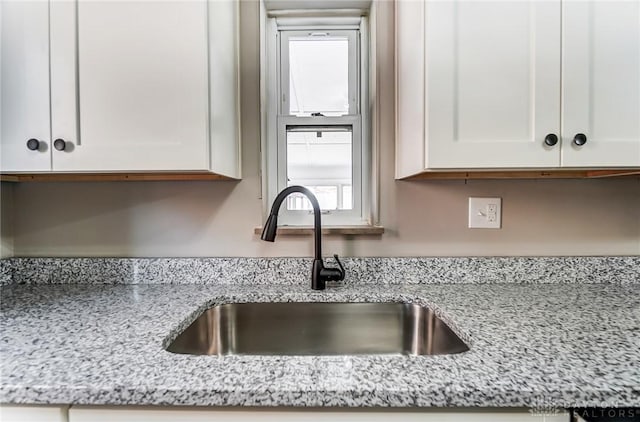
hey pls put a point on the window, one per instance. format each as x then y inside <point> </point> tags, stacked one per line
<point>316,132</point>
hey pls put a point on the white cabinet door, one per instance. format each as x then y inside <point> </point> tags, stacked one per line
<point>15,413</point>
<point>601,83</point>
<point>173,414</point>
<point>142,86</point>
<point>24,86</point>
<point>491,81</point>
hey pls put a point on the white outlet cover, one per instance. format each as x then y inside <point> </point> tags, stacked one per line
<point>485,213</point>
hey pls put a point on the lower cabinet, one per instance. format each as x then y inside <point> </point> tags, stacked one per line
<point>173,414</point>
<point>201,414</point>
<point>17,413</point>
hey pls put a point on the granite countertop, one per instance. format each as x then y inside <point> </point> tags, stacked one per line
<point>554,344</point>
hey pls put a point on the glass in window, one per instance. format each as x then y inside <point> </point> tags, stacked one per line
<point>318,75</point>
<point>319,158</point>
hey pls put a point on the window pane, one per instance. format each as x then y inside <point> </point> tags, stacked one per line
<point>347,197</point>
<point>319,158</point>
<point>319,75</point>
<point>327,197</point>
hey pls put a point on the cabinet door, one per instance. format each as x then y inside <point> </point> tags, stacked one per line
<point>491,81</point>
<point>142,87</point>
<point>202,414</point>
<point>19,413</point>
<point>24,85</point>
<point>601,83</point>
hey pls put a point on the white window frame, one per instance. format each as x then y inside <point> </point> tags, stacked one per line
<point>275,87</point>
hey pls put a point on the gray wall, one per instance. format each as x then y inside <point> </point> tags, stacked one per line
<point>544,217</point>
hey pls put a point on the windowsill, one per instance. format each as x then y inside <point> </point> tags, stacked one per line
<point>327,230</point>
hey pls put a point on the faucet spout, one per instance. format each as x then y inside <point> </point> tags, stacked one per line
<point>270,226</point>
<point>319,274</point>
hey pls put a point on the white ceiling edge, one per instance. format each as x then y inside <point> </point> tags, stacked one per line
<point>271,5</point>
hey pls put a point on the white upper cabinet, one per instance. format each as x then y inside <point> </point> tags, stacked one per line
<point>507,85</point>
<point>601,83</point>
<point>136,86</point>
<point>24,86</point>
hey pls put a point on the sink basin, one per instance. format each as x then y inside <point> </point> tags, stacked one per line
<point>296,328</point>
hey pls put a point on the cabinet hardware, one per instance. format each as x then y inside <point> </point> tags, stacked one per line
<point>580,139</point>
<point>59,144</point>
<point>551,139</point>
<point>33,144</point>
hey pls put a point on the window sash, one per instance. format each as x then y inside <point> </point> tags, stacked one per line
<point>299,217</point>
<point>353,66</point>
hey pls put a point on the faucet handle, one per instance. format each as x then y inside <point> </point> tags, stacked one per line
<point>342,272</point>
<point>322,274</point>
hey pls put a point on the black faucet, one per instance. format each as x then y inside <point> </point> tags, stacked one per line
<point>319,273</point>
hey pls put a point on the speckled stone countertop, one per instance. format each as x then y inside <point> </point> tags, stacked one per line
<point>552,344</point>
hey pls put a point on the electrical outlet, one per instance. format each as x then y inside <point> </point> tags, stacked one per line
<point>492,213</point>
<point>484,213</point>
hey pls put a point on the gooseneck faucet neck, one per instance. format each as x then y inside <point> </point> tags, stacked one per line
<point>269,232</point>
<point>320,274</point>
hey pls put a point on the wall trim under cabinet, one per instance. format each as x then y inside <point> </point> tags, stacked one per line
<point>110,177</point>
<point>524,174</point>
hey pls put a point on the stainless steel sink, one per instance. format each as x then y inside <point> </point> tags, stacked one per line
<point>317,329</point>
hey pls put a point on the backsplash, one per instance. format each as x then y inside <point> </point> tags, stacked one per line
<point>6,271</point>
<point>271,271</point>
